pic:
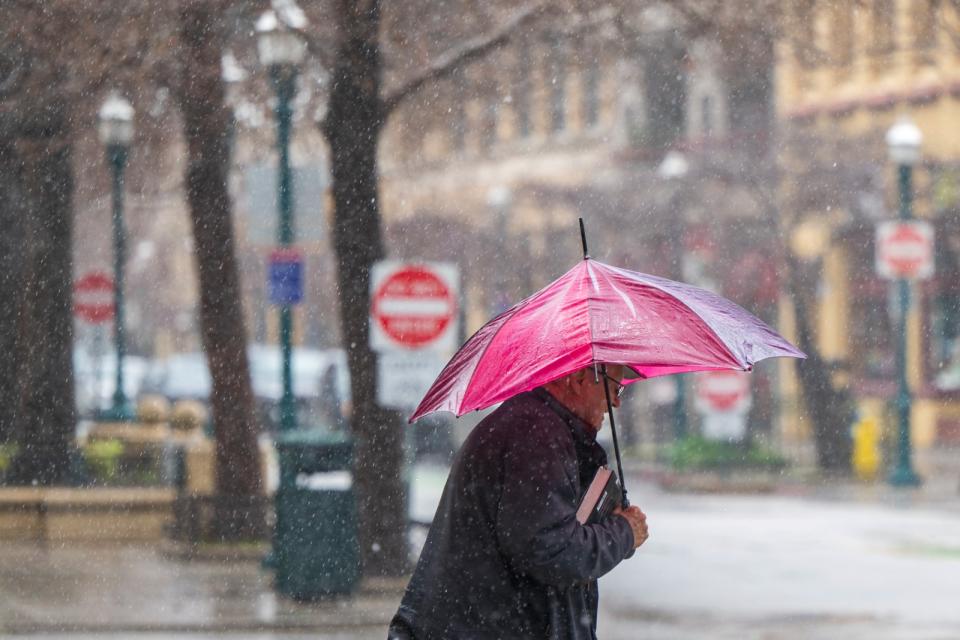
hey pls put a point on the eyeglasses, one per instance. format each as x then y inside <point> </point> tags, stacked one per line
<point>617,385</point>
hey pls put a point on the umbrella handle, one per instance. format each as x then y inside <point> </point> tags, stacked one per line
<point>613,428</point>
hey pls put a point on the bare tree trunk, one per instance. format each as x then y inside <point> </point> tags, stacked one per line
<point>831,409</point>
<point>353,125</point>
<point>12,260</point>
<point>207,126</point>
<point>47,421</point>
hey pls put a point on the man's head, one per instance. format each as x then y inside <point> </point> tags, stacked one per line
<point>582,393</point>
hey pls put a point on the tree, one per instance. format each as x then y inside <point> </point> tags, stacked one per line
<point>358,110</point>
<point>46,415</point>
<point>207,122</point>
<point>11,279</point>
<point>36,141</point>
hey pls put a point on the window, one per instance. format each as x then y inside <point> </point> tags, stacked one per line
<point>665,91</point>
<point>925,20</point>
<point>706,116</point>
<point>490,103</point>
<point>883,15</point>
<point>521,91</point>
<point>943,352</point>
<point>556,88</point>
<point>458,113</point>
<point>591,98</point>
<point>872,352</point>
<point>805,37</point>
<point>841,33</point>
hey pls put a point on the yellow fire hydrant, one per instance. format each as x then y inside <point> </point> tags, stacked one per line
<point>866,448</point>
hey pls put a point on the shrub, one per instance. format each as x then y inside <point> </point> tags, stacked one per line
<point>698,453</point>
<point>8,452</point>
<point>103,458</point>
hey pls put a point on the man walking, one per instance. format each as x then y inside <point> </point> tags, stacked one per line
<point>505,556</point>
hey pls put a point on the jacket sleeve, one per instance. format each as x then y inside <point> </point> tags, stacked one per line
<point>536,525</point>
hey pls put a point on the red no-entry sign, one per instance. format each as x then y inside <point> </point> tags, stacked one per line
<point>904,250</point>
<point>413,306</point>
<point>93,298</point>
<point>723,391</point>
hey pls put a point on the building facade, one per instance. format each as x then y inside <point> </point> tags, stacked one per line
<point>492,168</point>
<point>845,72</point>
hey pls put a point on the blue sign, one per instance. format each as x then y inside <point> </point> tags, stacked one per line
<point>285,277</point>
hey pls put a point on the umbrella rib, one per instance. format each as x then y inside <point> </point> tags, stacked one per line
<point>526,301</point>
<point>480,357</point>
<point>680,300</point>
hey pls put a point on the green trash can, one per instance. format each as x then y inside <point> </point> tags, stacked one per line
<point>315,548</point>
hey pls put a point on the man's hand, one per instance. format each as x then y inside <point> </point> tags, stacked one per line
<point>638,523</point>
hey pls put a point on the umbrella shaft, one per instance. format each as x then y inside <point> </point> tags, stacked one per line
<point>613,429</point>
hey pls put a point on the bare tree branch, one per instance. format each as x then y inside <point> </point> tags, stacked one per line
<point>457,58</point>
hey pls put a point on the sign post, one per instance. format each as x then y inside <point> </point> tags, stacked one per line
<point>94,303</point>
<point>414,324</point>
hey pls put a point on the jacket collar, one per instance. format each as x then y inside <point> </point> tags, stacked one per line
<point>580,429</point>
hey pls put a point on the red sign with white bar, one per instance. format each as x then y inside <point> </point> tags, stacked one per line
<point>413,306</point>
<point>904,250</point>
<point>723,391</point>
<point>93,298</point>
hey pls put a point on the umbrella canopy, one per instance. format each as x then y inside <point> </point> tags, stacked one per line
<point>596,313</point>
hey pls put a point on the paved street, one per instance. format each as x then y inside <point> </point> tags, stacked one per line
<point>721,566</point>
<point>774,567</point>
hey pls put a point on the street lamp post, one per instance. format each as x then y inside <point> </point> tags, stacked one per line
<point>281,51</point>
<point>116,132</point>
<point>673,169</point>
<point>903,142</point>
<point>500,200</point>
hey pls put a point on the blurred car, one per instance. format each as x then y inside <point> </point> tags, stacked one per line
<point>321,382</point>
<point>95,379</point>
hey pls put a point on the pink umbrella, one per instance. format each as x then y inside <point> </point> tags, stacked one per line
<point>596,314</point>
<point>593,314</point>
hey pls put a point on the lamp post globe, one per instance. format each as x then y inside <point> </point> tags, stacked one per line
<point>116,134</point>
<point>903,144</point>
<point>674,166</point>
<point>904,139</point>
<point>281,51</point>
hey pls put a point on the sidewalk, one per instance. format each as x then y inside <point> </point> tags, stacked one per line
<point>123,591</point>
<point>131,589</point>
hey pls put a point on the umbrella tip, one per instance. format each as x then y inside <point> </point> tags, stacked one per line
<point>583,239</point>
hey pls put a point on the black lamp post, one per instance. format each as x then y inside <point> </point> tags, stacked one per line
<point>116,133</point>
<point>903,142</point>
<point>281,51</point>
<point>673,169</point>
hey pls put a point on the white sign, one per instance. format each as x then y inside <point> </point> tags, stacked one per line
<point>414,306</point>
<point>724,399</point>
<point>904,250</point>
<point>405,376</point>
<point>724,426</point>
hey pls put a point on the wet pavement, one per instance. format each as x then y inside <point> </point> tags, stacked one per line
<point>777,567</point>
<point>133,589</point>
<point>850,562</point>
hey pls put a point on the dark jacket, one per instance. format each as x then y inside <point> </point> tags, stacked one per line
<point>505,556</point>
